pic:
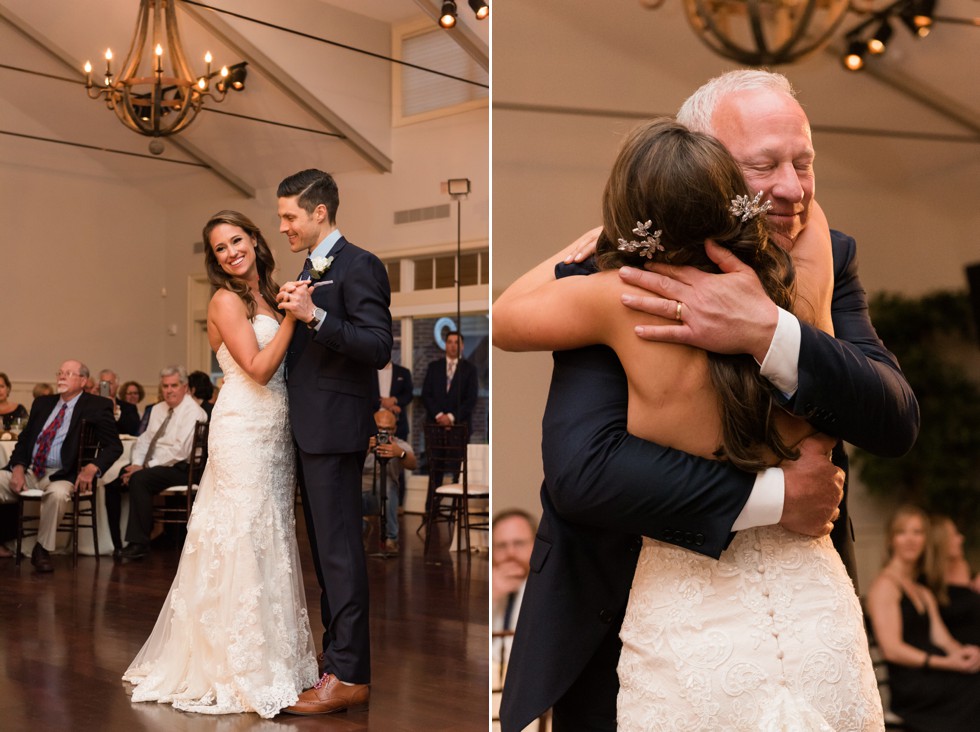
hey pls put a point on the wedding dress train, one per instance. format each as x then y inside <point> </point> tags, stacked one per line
<point>233,634</point>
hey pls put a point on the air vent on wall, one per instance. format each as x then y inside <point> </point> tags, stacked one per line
<point>425,213</point>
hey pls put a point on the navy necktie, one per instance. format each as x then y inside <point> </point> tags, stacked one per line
<point>307,268</point>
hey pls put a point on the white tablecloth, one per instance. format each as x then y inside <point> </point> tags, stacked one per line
<point>85,544</point>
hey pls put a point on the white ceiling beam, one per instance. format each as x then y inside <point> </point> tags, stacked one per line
<point>52,49</point>
<point>289,86</point>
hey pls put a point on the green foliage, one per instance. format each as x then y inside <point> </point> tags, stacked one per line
<point>930,335</point>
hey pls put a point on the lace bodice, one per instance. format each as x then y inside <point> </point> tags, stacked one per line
<point>234,634</point>
<point>769,637</point>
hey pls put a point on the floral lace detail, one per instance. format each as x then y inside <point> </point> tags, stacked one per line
<point>769,637</point>
<point>233,634</point>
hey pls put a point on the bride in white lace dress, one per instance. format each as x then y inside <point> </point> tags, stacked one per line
<point>770,636</point>
<point>233,634</point>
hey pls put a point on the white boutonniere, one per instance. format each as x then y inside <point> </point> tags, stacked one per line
<point>320,266</point>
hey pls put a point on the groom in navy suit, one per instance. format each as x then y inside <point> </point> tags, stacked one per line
<point>343,298</point>
<point>604,489</point>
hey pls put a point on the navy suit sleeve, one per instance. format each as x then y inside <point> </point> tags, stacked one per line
<point>471,391</point>
<point>430,387</point>
<point>850,386</point>
<point>364,335</point>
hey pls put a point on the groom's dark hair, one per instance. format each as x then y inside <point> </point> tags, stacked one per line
<point>314,187</point>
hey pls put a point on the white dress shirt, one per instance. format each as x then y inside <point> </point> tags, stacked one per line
<point>174,445</point>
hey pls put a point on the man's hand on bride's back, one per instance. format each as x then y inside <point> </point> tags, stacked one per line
<point>814,488</point>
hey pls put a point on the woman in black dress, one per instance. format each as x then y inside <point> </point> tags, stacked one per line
<point>953,582</point>
<point>933,677</point>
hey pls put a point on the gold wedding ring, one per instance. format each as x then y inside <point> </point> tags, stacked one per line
<point>677,313</point>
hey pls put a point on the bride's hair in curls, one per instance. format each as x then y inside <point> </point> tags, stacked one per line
<point>264,263</point>
<point>684,182</point>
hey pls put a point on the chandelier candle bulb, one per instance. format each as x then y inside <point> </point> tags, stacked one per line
<point>207,60</point>
<point>88,73</point>
<point>108,63</point>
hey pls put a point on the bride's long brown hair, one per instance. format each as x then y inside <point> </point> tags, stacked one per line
<point>684,182</point>
<point>265,263</point>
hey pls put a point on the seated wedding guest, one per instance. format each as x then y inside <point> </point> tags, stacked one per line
<point>386,444</point>
<point>159,461</point>
<point>46,454</point>
<point>42,389</point>
<point>9,411</point>
<point>91,387</point>
<point>201,389</point>
<point>934,682</point>
<point>127,415</point>
<point>513,533</point>
<point>953,583</point>
<point>132,392</point>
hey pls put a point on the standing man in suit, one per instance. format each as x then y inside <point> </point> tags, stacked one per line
<point>604,489</point>
<point>46,454</point>
<point>451,385</point>
<point>343,297</point>
<point>394,393</point>
<point>127,416</point>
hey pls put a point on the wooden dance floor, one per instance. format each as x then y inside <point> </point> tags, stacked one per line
<point>66,638</point>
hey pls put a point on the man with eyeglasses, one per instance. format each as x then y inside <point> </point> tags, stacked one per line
<point>46,455</point>
<point>513,533</point>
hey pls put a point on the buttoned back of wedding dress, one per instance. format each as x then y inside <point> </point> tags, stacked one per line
<point>769,637</point>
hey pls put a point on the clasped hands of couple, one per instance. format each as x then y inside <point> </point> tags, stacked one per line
<point>730,312</point>
<point>294,299</point>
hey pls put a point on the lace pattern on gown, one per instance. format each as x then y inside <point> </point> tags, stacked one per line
<point>769,637</point>
<point>233,634</point>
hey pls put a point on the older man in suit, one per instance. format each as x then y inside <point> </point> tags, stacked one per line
<point>604,489</point>
<point>46,454</point>
<point>342,297</point>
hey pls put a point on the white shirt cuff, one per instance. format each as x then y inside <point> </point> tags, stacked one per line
<point>765,504</point>
<point>781,365</point>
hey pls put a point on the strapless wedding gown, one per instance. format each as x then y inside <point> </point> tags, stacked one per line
<point>233,634</point>
<point>769,637</point>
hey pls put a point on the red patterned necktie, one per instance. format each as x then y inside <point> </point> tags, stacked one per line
<point>45,440</point>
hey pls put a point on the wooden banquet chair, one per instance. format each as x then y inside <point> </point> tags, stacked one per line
<point>169,511</point>
<point>83,506</point>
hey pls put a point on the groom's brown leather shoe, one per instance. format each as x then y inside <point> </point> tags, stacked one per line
<point>330,694</point>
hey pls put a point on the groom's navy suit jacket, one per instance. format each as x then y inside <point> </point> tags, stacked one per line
<point>331,386</point>
<point>605,489</point>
